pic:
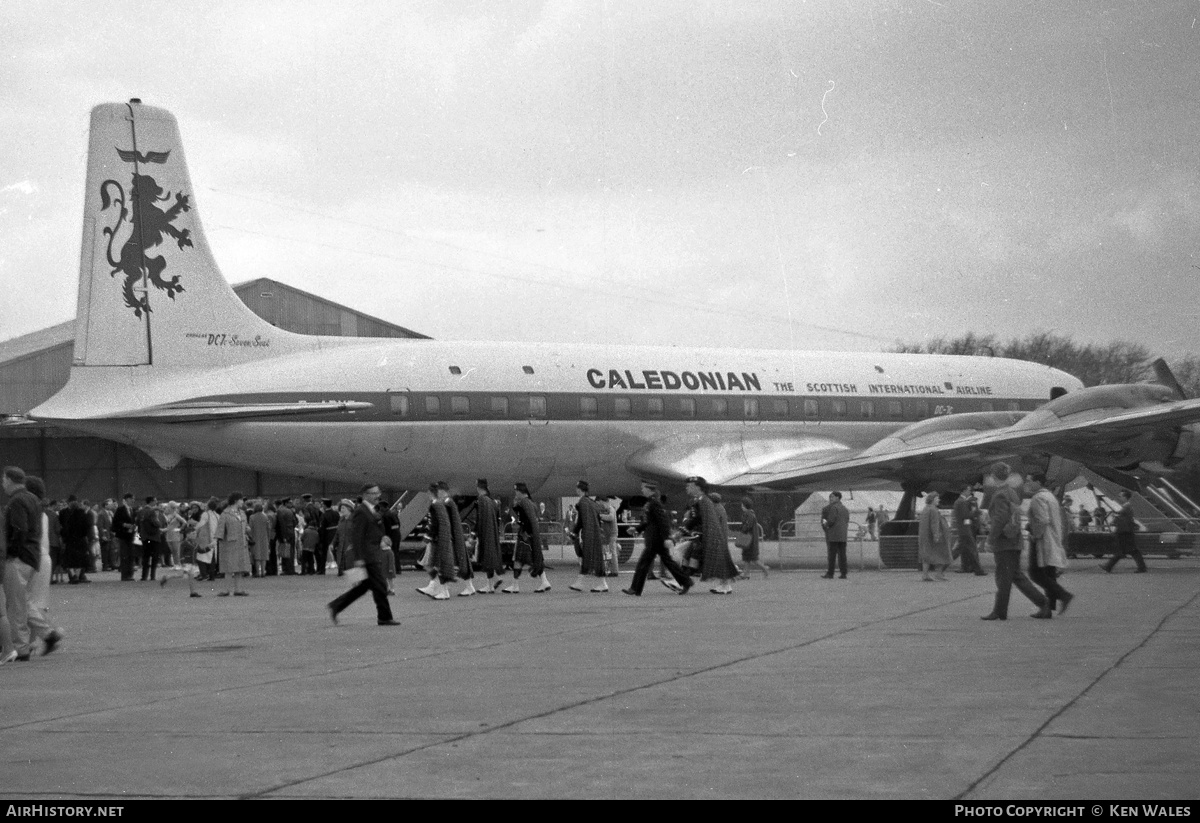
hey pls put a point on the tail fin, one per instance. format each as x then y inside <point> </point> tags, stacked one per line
<point>150,292</point>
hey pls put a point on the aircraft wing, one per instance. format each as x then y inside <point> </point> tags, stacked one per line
<point>217,412</point>
<point>1109,438</point>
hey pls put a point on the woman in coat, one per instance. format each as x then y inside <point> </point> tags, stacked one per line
<point>341,540</point>
<point>260,540</point>
<point>608,507</point>
<point>933,540</point>
<point>233,534</point>
<point>173,531</point>
<point>750,540</point>
<point>205,537</point>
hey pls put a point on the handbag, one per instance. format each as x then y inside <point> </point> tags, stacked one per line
<point>742,541</point>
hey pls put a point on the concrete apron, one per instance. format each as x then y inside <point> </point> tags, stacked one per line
<point>876,686</point>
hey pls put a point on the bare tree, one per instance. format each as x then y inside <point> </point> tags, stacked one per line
<point>1117,362</point>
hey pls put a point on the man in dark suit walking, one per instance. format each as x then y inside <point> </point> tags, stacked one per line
<point>1004,537</point>
<point>366,534</point>
<point>1126,527</point>
<point>655,529</point>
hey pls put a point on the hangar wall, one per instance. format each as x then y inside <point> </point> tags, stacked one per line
<point>35,366</point>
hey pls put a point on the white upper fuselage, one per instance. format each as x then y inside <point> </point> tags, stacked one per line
<point>544,414</point>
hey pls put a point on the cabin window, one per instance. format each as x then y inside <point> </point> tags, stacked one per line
<point>720,407</point>
<point>460,406</point>
<point>920,410</point>
<point>654,406</point>
<point>500,406</point>
<point>622,407</point>
<point>750,408</point>
<point>527,369</point>
<point>433,404</point>
<point>840,408</point>
<point>989,406</point>
<point>866,409</point>
<point>398,404</point>
<point>455,370</point>
<point>779,407</point>
<point>537,406</point>
<point>1014,405</point>
<point>588,406</point>
<point>811,410</point>
<point>687,407</point>
<point>895,409</point>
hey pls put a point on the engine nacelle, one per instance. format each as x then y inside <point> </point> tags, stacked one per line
<point>1137,446</point>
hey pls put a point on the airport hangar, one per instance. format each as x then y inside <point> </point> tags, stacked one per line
<point>35,366</point>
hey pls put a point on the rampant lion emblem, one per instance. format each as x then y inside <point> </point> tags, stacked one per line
<point>149,226</point>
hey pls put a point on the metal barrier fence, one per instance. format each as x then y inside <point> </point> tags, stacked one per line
<point>811,553</point>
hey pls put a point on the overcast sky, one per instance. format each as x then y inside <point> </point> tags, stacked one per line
<point>837,175</point>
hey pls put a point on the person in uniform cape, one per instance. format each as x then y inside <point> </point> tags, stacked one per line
<point>529,543</point>
<point>441,555</point>
<point>462,557</point>
<point>487,538</point>
<point>232,535</point>
<point>589,541</point>
<point>717,564</point>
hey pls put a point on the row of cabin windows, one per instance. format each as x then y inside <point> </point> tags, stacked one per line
<point>750,408</point>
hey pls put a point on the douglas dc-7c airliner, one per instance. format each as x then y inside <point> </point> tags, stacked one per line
<point>168,359</point>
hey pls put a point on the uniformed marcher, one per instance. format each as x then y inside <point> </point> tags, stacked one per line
<point>487,538</point>
<point>529,543</point>
<point>462,558</point>
<point>441,562</point>
<point>703,518</point>
<point>589,541</point>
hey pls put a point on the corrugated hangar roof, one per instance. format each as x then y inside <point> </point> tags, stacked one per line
<point>254,293</point>
<point>36,365</point>
<point>37,341</point>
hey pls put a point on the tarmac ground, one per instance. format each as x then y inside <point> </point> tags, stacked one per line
<point>879,686</point>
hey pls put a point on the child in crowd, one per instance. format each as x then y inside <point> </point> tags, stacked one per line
<point>308,548</point>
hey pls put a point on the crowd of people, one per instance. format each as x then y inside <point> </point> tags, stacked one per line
<point>236,538</point>
<point>1045,530</point>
